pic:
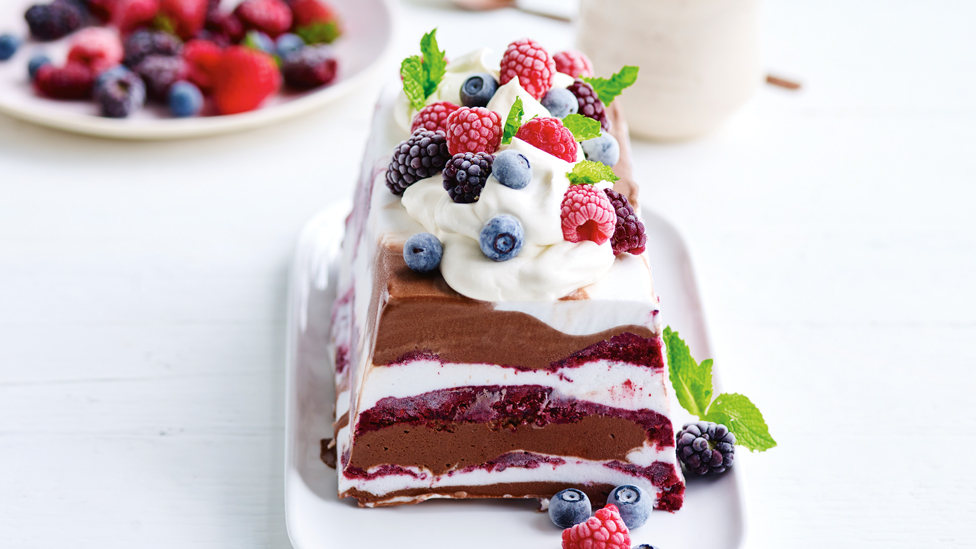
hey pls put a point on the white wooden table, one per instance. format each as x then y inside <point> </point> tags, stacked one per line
<point>142,293</point>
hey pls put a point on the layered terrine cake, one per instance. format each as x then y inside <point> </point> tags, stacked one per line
<point>496,331</point>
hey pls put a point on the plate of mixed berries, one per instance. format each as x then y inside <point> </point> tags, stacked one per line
<point>167,69</point>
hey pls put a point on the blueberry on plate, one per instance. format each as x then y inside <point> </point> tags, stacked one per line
<point>185,100</point>
<point>501,238</point>
<point>512,169</point>
<point>423,252</point>
<point>569,508</point>
<point>633,503</point>
<point>478,90</point>
<point>288,44</point>
<point>36,62</point>
<point>8,46</point>
<point>560,102</point>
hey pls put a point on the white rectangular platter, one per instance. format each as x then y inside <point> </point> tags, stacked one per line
<point>713,514</point>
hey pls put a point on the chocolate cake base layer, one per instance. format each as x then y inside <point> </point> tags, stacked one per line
<point>598,493</point>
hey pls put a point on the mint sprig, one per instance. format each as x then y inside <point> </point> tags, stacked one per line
<point>412,71</point>
<point>692,384</point>
<point>583,127</point>
<point>587,172</point>
<point>320,33</point>
<point>514,121</point>
<point>607,89</point>
<point>422,74</point>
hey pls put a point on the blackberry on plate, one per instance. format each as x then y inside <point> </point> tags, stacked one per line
<point>628,233</point>
<point>478,90</point>
<point>120,94</point>
<point>589,102</point>
<point>569,508</point>
<point>159,72</point>
<point>465,175</point>
<point>422,252</point>
<point>705,448</point>
<point>141,44</point>
<point>309,67</point>
<point>422,155</point>
<point>54,20</point>
<point>633,503</point>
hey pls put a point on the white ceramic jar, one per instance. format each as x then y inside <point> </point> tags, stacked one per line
<point>699,59</point>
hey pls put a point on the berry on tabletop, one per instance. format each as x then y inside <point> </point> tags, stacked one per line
<point>478,90</point>
<point>422,252</point>
<point>420,156</point>
<point>569,507</point>
<point>528,61</point>
<point>502,238</point>
<point>604,530</point>
<point>587,214</point>
<point>185,100</point>
<point>433,117</point>
<point>573,63</point>
<point>465,175</point>
<point>473,130</point>
<point>549,135</point>
<point>512,169</point>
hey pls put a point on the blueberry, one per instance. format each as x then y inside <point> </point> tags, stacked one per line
<point>501,238</point>
<point>36,62</point>
<point>8,46</point>
<point>478,90</point>
<point>560,102</point>
<point>185,100</point>
<point>512,169</point>
<point>117,71</point>
<point>645,546</point>
<point>602,149</point>
<point>423,252</point>
<point>288,44</point>
<point>569,508</point>
<point>260,41</point>
<point>633,503</point>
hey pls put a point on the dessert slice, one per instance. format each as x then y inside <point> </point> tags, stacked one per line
<point>520,354</point>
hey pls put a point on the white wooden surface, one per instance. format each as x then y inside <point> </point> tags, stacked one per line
<point>142,293</point>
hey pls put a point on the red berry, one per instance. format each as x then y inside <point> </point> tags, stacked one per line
<point>433,117</point>
<point>551,136</point>
<point>587,214</point>
<point>97,48</point>
<point>226,27</point>
<point>243,79</point>
<point>628,233</point>
<point>272,17</point>
<point>531,64</point>
<point>185,16</point>
<point>72,81</point>
<point>473,130</point>
<point>574,63</point>
<point>311,12</point>
<point>604,530</point>
<point>202,58</point>
<point>129,15</point>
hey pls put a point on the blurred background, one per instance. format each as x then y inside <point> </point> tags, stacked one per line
<point>143,289</point>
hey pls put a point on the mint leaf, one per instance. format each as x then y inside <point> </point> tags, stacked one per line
<point>320,33</point>
<point>434,62</point>
<point>413,78</point>
<point>608,89</point>
<point>583,127</point>
<point>692,382</point>
<point>587,173</point>
<point>741,416</point>
<point>514,121</point>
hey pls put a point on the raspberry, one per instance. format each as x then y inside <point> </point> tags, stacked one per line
<point>202,58</point>
<point>531,64</point>
<point>244,78</point>
<point>315,21</point>
<point>73,81</point>
<point>309,67</point>
<point>97,48</point>
<point>53,21</point>
<point>465,176</point>
<point>185,17</point>
<point>433,117</point>
<point>128,15</point>
<point>705,447</point>
<point>587,214</point>
<point>272,17</point>
<point>574,63</point>
<point>141,44</point>
<point>159,72</point>
<point>604,530</point>
<point>589,102</point>
<point>551,136</point>
<point>628,234</point>
<point>473,130</point>
<point>422,155</point>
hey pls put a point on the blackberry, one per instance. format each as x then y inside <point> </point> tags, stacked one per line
<point>120,95</point>
<point>53,21</point>
<point>422,155</point>
<point>159,72</point>
<point>141,44</point>
<point>309,67</point>
<point>465,176</point>
<point>589,102</point>
<point>705,447</point>
<point>628,234</point>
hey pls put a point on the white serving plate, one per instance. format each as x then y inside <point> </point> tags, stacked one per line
<point>361,50</point>
<point>713,515</point>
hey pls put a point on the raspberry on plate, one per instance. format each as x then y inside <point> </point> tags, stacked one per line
<point>185,17</point>
<point>202,58</point>
<point>587,214</point>
<point>574,63</point>
<point>98,48</point>
<point>272,17</point>
<point>128,15</point>
<point>526,60</point>
<point>433,117</point>
<point>473,130</point>
<point>244,79</point>
<point>628,233</point>
<point>604,530</point>
<point>549,135</point>
<point>420,156</point>
<point>315,21</point>
<point>309,67</point>
<point>589,102</point>
<point>72,81</point>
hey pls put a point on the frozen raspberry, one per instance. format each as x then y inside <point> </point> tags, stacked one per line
<point>526,60</point>
<point>465,176</point>
<point>433,117</point>
<point>53,21</point>
<point>604,530</point>
<point>551,136</point>
<point>628,234</point>
<point>589,102</point>
<point>272,17</point>
<point>159,72</point>
<point>705,447</point>
<point>310,67</point>
<point>473,130</point>
<point>574,63</point>
<point>141,44</point>
<point>98,48</point>
<point>422,155</point>
<point>587,214</point>
<point>73,81</point>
